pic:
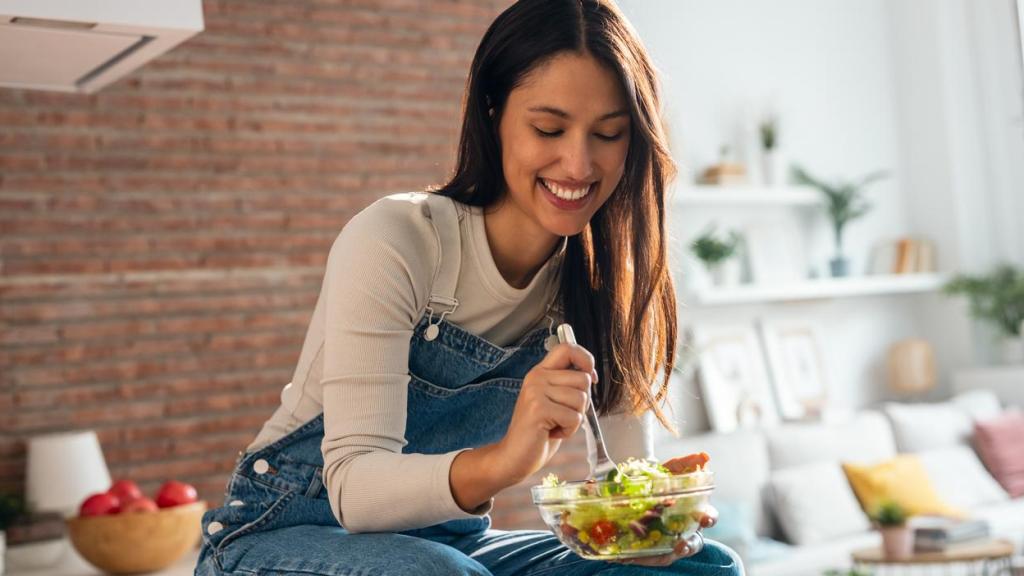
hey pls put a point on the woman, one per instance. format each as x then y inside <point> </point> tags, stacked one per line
<point>428,380</point>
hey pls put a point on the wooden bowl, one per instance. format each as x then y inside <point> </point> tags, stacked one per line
<point>138,542</point>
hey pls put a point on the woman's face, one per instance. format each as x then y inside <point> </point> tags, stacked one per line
<point>564,137</point>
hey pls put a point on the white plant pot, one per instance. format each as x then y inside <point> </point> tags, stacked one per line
<point>726,273</point>
<point>3,549</point>
<point>1013,350</point>
<point>772,168</point>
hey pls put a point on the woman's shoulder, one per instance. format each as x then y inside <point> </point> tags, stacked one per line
<point>402,210</point>
<point>394,229</point>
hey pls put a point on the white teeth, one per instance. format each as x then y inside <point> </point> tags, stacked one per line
<point>565,193</point>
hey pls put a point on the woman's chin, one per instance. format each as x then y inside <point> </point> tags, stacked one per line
<point>566,226</point>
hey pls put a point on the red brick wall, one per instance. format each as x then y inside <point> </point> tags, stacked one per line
<point>163,241</point>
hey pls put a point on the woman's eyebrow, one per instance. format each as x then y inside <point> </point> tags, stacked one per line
<point>567,116</point>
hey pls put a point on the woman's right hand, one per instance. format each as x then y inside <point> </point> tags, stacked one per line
<point>551,407</point>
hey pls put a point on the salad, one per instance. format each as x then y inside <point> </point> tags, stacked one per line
<point>642,508</point>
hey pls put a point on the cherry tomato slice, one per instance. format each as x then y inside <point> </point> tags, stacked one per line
<point>602,531</point>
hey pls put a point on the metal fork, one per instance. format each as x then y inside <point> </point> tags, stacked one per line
<point>597,454</point>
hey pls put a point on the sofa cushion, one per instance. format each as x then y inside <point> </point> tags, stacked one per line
<point>920,427</point>
<point>902,479</point>
<point>735,526</point>
<point>815,560</point>
<point>814,503</point>
<point>1000,444</point>
<point>960,479</point>
<point>865,437</point>
<point>740,462</point>
<point>1006,519</point>
<point>980,405</point>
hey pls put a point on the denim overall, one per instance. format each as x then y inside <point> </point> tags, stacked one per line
<point>276,518</point>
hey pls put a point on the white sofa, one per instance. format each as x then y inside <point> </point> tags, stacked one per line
<point>786,485</point>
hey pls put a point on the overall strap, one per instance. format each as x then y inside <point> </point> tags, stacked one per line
<point>445,218</point>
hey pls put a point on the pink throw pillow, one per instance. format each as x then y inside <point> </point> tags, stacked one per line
<point>1000,444</point>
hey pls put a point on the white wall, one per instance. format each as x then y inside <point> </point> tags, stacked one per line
<point>824,65</point>
<point>858,85</point>
<point>961,100</point>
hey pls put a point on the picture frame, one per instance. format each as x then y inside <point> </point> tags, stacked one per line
<point>733,376</point>
<point>797,367</point>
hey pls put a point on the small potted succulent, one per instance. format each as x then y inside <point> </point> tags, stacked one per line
<point>716,253</point>
<point>845,202</point>
<point>897,538</point>
<point>997,298</point>
<point>768,130</point>
<point>11,508</point>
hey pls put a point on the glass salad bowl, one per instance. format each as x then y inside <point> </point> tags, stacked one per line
<point>640,509</point>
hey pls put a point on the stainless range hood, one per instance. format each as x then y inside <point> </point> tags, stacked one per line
<point>81,46</point>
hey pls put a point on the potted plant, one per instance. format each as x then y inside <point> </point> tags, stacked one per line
<point>769,132</point>
<point>897,538</point>
<point>998,298</point>
<point>845,202</point>
<point>11,507</point>
<point>715,253</point>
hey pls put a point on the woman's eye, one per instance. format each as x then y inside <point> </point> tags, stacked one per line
<point>556,133</point>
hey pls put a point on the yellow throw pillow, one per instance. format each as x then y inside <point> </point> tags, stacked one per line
<point>902,479</point>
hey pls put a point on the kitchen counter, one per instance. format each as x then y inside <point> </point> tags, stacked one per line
<point>71,564</point>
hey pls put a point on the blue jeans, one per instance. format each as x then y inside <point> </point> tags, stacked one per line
<point>277,520</point>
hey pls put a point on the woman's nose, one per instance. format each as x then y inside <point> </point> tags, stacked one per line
<point>578,161</point>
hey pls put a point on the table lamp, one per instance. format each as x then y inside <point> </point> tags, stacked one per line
<point>62,470</point>
<point>911,367</point>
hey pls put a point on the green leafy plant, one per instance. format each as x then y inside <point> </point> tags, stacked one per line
<point>890,513</point>
<point>713,250</point>
<point>769,129</point>
<point>11,507</point>
<point>844,200</point>
<point>996,297</point>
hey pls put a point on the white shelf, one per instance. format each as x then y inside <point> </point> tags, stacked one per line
<point>746,196</point>
<point>820,289</point>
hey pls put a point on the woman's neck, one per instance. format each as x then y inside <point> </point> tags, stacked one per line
<point>519,246</point>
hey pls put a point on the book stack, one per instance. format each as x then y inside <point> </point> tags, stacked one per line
<point>938,534</point>
<point>724,174</point>
<point>903,256</point>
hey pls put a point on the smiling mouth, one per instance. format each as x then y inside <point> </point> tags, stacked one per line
<point>567,195</point>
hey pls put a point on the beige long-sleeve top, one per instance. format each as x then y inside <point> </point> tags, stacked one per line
<point>353,366</point>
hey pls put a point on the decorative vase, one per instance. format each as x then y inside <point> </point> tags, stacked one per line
<point>897,541</point>
<point>1013,350</point>
<point>839,266</point>
<point>717,274</point>
<point>725,273</point>
<point>771,167</point>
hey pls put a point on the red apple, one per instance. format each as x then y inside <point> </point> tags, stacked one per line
<point>174,493</point>
<point>142,504</point>
<point>125,490</point>
<point>99,505</point>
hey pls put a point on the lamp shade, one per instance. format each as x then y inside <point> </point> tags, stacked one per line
<point>911,367</point>
<point>63,469</point>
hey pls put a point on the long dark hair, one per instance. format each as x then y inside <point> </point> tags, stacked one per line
<point>616,290</point>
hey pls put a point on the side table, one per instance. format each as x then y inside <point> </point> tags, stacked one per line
<point>982,557</point>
